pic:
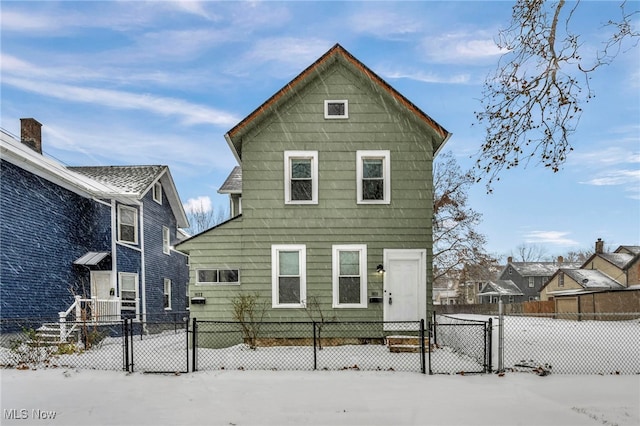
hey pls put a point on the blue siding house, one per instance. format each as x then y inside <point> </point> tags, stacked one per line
<point>91,241</point>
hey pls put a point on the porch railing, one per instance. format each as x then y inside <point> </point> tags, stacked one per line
<point>92,310</point>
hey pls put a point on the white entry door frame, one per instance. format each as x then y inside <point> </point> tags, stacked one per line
<point>405,286</point>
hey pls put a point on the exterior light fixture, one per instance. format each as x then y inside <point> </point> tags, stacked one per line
<point>380,269</point>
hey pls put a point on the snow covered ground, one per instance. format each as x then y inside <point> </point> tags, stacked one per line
<point>90,397</point>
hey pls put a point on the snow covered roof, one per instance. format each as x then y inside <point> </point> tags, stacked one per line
<point>540,269</point>
<point>500,288</point>
<point>621,260</point>
<point>592,279</point>
<point>233,184</point>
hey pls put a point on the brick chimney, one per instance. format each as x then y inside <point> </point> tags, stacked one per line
<point>560,259</point>
<point>509,259</point>
<point>31,134</point>
<point>599,246</point>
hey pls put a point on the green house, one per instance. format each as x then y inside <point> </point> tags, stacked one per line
<point>332,203</point>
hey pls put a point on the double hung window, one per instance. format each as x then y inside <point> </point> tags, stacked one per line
<point>289,270</point>
<point>127,224</point>
<point>301,177</point>
<point>349,276</point>
<point>373,174</point>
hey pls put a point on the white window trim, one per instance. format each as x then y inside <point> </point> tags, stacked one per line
<point>122,207</point>
<point>532,282</point>
<point>166,240</point>
<point>362,249</point>
<point>288,156</point>
<point>168,293</point>
<point>218,283</point>
<point>385,155</point>
<point>336,117</point>
<point>122,275</point>
<point>157,192</point>
<point>275,249</point>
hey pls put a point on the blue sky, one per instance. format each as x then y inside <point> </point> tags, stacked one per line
<point>134,82</point>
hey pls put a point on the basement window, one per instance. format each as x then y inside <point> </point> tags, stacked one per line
<point>336,109</point>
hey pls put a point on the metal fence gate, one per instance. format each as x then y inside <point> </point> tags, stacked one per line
<point>156,347</point>
<point>459,345</point>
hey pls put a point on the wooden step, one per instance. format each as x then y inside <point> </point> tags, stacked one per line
<point>398,344</point>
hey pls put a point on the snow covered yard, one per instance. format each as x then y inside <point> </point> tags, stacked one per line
<point>90,397</point>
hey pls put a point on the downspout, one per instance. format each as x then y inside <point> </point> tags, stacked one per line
<point>143,268</point>
<point>114,248</point>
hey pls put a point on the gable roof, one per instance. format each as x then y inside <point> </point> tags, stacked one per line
<point>635,250</point>
<point>591,278</point>
<point>539,269</point>
<point>500,288</point>
<point>336,53</point>
<point>17,153</point>
<point>137,181</point>
<point>233,183</point>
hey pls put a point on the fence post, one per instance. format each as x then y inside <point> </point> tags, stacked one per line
<point>500,337</point>
<point>487,345</point>
<point>125,352</point>
<point>194,345</point>
<point>431,333</point>
<point>423,367</point>
<point>315,354</point>
<point>435,333</point>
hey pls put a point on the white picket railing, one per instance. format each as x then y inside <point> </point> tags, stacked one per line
<point>99,310</point>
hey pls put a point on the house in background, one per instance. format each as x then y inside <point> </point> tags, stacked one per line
<point>336,195</point>
<point>529,277</point>
<point>606,282</point>
<point>100,236</point>
<point>496,290</point>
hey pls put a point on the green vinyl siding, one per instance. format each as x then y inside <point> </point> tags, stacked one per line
<point>375,123</point>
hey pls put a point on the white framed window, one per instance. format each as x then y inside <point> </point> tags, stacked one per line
<point>166,297</point>
<point>166,240</point>
<point>157,193</point>
<point>349,276</point>
<point>222,276</point>
<point>288,275</point>
<point>561,279</point>
<point>336,109</point>
<point>127,224</point>
<point>128,292</point>
<point>532,282</point>
<point>374,177</point>
<point>301,177</point>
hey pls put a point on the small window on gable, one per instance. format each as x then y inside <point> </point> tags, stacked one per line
<point>301,177</point>
<point>336,109</point>
<point>157,193</point>
<point>373,174</point>
<point>561,279</point>
<point>532,282</point>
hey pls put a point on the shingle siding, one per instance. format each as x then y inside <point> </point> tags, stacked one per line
<point>43,229</point>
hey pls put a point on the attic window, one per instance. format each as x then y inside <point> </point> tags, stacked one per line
<point>336,109</point>
<point>157,193</point>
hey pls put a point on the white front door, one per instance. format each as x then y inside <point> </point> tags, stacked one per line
<point>101,285</point>
<point>405,286</point>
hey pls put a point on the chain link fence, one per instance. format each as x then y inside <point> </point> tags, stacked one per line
<point>562,344</point>
<point>306,346</point>
<point>572,343</point>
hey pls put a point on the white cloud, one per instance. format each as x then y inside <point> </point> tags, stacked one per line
<point>190,113</point>
<point>615,177</point>
<point>426,77</point>
<point>549,237</point>
<point>461,47</point>
<point>201,204</point>
<point>384,23</point>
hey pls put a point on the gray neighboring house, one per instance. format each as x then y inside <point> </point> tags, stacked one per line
<point>530,277</point>
<point>495,290</point>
